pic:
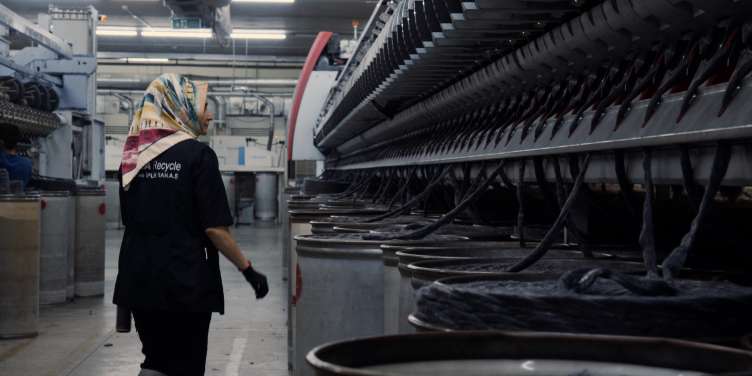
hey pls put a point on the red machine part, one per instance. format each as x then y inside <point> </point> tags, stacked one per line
<point>313,57</point>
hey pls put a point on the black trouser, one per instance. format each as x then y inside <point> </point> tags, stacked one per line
<point>174,343</point>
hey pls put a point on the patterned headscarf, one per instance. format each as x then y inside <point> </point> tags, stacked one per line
<point>168,114</point>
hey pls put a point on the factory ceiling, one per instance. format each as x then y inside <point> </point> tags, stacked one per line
<point>300,21</point>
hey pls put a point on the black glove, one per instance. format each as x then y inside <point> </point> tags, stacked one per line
<point>257,281</point>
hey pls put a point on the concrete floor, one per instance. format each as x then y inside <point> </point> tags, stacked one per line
<point>79,338</point>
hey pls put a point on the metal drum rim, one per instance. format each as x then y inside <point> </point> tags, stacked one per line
<point>330,212</point>
<point>301,219</point>
<point>25,197</point>
<point>406,254</point>
<point>45,194</point>
<point>646,345</point>
<point>365,253</point>
<point>377,243</point>
<point>419,272</point>
<point>90,193</point>
<point>426,326</point>
<point>389,254</point>
<point>420,265</point>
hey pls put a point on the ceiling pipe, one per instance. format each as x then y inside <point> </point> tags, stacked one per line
<point>131,104</point>
<point>282,61</point>
<point>137,83</point>
<point>220,105</point>
<point>235,94</point>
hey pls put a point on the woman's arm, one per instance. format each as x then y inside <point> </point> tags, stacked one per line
<point>223,240</point>
<point>225,243</point>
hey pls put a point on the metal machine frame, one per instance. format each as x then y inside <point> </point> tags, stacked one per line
<point>419,95</point>
<point>67,143</point>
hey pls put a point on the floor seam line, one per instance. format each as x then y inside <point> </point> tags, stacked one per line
<point>89,354</point>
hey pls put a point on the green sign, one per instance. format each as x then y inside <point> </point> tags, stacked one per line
<point>188,23</point>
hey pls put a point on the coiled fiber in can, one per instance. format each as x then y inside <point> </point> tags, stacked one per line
<point>702,310</point>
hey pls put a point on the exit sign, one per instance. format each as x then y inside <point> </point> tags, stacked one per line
<point>188,23</point>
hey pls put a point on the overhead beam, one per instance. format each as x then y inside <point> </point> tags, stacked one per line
<point>38,34</point>
<point>277,61</point>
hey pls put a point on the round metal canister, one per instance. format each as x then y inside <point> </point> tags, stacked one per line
<point>340,291</point>
<point>245,208</point>
<point>468,250</point>
<point>55,244</point>
<point>300,204</point>
<point>405,296</point>
<point>228,180</point>
<point>19,265</point>
<point>491,353</point>
<point>391,289</point>
<point>300,224</point>
<point>112,189</point>
<point>286,229</point>
<point>70,286</point>
<point>266,196</point>
<point>90,242</point>
<point>392,279</point>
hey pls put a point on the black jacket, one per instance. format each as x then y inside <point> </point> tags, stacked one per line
<point>167,262</point>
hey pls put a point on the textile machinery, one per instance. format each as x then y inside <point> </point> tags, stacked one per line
<point>643,102</point>
<point>48,90</point>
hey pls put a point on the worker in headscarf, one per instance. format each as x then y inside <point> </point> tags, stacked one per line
<point>177,218</point>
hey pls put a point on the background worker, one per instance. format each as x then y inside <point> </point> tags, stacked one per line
<point>18,167</point>
<point>176,218</point>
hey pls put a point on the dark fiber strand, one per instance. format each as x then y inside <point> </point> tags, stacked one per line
<point>548,240</point>
<point>675,261</point>
<point>647,232</point>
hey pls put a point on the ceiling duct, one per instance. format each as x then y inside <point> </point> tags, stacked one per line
<point>141,83</point>
<point>214,14</point>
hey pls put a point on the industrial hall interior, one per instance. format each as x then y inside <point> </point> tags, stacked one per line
<point>375,187</point>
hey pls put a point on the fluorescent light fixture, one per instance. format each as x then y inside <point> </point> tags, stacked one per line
<point>258,34</point>
<point>116,31</point>
<point>145,59</point>
<point>265,1</point>
<point>166,32</point>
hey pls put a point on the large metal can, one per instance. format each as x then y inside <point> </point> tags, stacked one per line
<point>340,289</point>
<point>55,244</point>
<point>300,224</point>
<point>19,265</point>
<point>404,299</point>
<point>70,285</point>
<point>265,203</point>
<point>490,353</point>
<point>112,188</point>
<point>286,230</point>
<point>228,180</point>
<point>90,242</point>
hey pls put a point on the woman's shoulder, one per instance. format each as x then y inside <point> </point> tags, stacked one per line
<point>193,152</point>
<point>195,147</point>
<point>203,153</point>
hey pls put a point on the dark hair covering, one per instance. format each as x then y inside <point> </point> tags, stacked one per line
<point>9,134</point>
